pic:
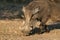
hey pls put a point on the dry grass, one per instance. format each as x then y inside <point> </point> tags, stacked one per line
<point>9,30</point>
<point>10,26</point>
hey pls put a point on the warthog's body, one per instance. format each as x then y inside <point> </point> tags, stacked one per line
<point>39,11</point>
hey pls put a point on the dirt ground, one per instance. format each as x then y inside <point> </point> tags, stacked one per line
<point>10,30</point>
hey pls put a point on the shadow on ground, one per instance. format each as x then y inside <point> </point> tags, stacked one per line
<point>50,27</point>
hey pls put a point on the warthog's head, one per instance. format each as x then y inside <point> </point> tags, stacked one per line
<point>29,23</point>
<point>35,9</point>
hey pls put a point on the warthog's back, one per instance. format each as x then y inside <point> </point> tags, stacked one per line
<point>55,12</point>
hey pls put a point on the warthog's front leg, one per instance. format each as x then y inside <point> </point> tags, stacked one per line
<point>43,25</point>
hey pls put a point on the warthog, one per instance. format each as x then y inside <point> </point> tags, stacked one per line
<point>40,11</point>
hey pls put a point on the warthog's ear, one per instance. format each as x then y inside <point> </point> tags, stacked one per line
<point>36,10</point>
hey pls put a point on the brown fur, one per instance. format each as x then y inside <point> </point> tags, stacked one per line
<point>41,10</point>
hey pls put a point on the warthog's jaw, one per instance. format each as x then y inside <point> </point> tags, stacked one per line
<point>26,29</point>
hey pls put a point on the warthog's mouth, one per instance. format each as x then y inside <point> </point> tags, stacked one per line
<point>25,28</point>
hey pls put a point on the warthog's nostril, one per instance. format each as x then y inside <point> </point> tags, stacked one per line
<point>31,26</point>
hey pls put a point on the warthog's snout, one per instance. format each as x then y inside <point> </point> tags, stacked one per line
<point>26,28</point>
